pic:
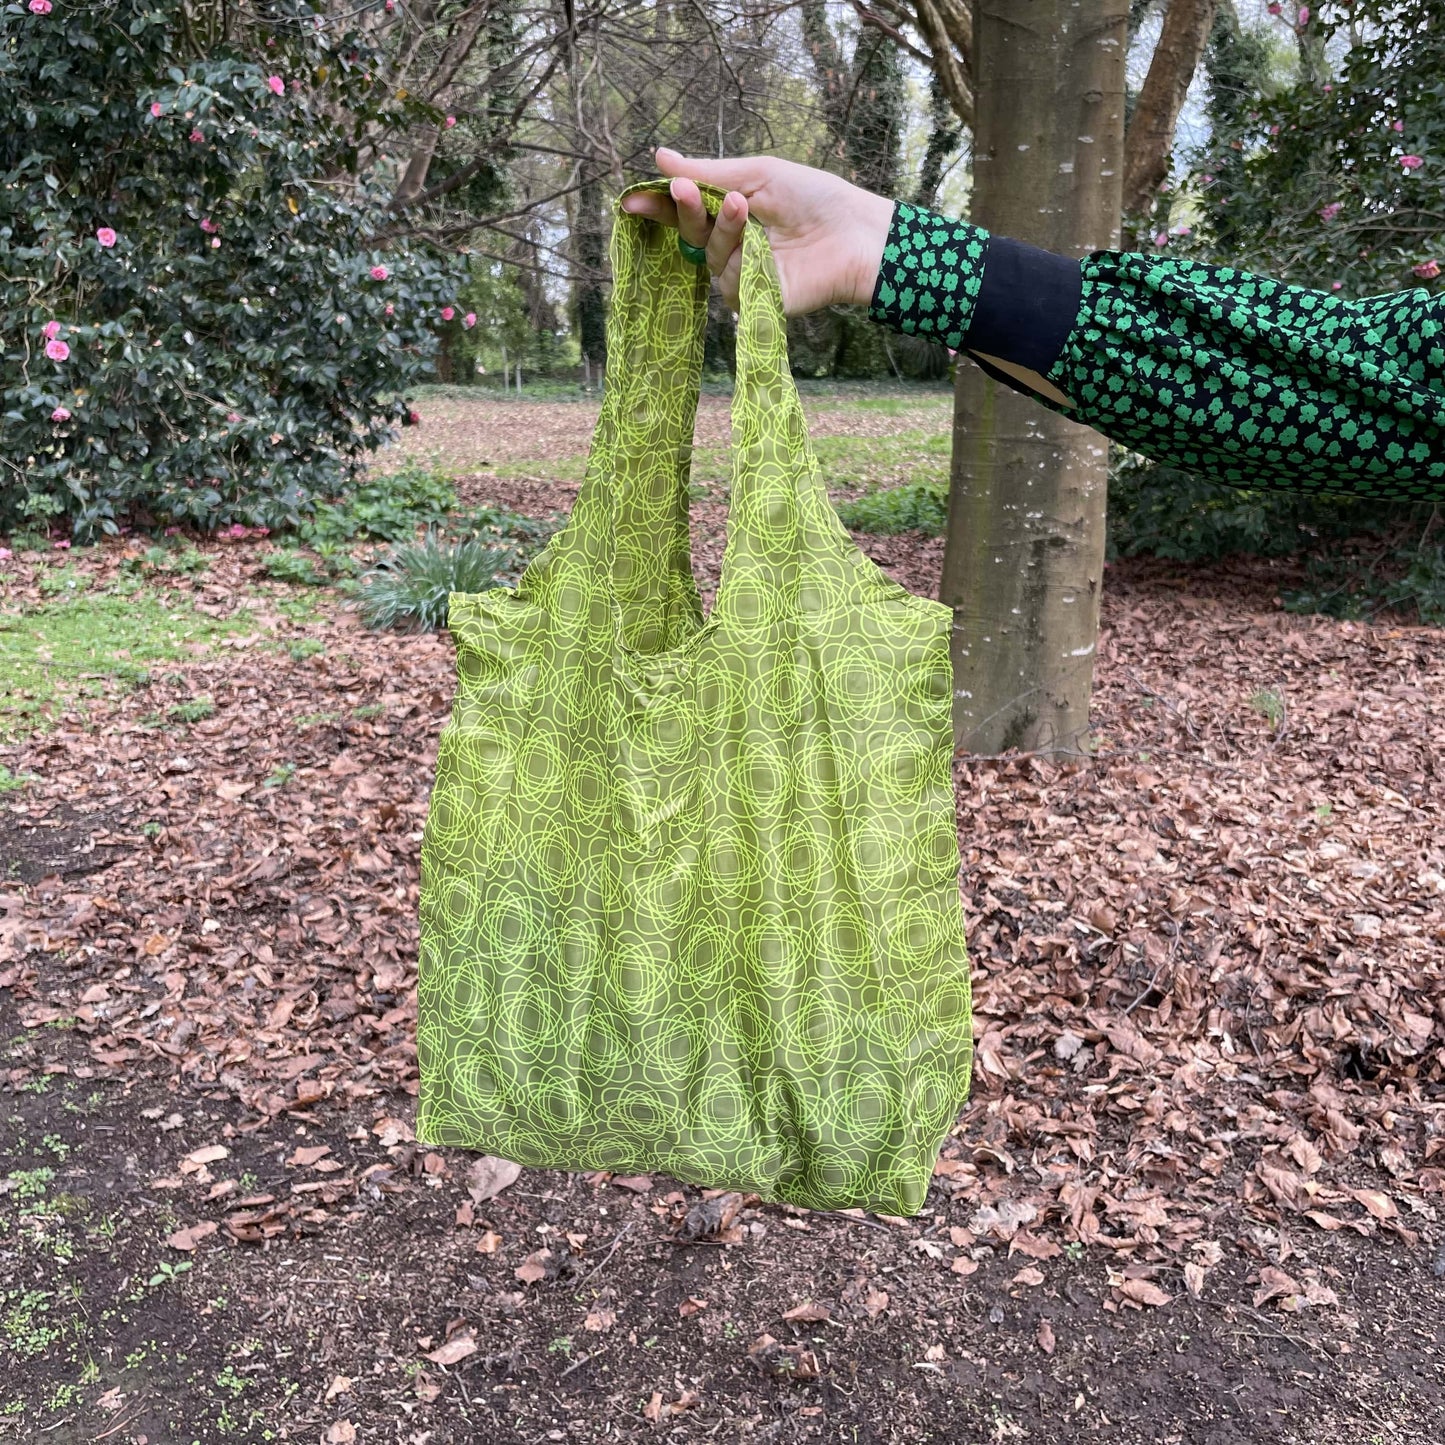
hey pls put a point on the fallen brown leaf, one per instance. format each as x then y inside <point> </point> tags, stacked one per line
<point>488,1176</point>
<point>808,1313</point>
<point>189,1238</point>
<point>457,1348</point>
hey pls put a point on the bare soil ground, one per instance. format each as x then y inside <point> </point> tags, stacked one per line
<point>1195,1200</point>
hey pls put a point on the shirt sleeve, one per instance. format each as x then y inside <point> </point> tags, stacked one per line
<point>1239,378</point>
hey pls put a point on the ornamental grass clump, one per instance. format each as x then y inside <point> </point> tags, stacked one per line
<point>409,587</point>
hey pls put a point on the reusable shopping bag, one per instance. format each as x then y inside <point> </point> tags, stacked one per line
<point>689,891</point>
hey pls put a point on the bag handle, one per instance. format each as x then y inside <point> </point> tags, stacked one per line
<point>637,536</point>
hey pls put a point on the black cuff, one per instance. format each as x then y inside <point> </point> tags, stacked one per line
<point>1026,306</point>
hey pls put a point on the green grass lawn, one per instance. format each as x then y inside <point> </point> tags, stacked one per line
<point>89,641</point>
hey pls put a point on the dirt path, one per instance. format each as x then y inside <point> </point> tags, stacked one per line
<point>1196,1197</point>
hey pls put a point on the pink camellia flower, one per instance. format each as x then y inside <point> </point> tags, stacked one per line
<point>40,7</point>
<point>1274,130</point>
<point>451,121</point>
<point>52,330</point>
<point>1303,18</point>
<point>447,313</point>
<point>209,226</point>
<point>61,544</point>
<point>215,243</point>
<point>156,109</point>
<point>63,413</point>
<point>233,416</point>
<point>378,273</point>
<point>1412,163</point>
<point>5,554</point>
<point>197,136</point>
<point>1329,212</point>
<point>57,350</point>
<point>276,85</point>
<point>414,417</point>
<point>1327,87</point>
<point>1275,8</point>
<point>1161,238</point>
<point>389,308</point>
<point>1336,285</point>
<point>469,320</point>
<point>1183,230</point>
<point>1398,125</point>
<point>105,236</point>
<point>1427,270</point>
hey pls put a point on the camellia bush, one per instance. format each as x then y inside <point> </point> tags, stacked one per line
<point>1337,181</point>
<point>201,318</point>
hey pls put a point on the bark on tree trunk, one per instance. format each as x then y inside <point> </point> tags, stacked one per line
<point>1150,141</point>
<point>1023,560</point>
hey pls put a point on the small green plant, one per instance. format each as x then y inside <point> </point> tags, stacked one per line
<point>1268,702</point>
<point>315,719</point>
<point>289,565</point>
<point>409,587</point>
<point>913,507</point>
<point>368,710</point>
<point>62,1396</point>
<point>14,782</point>
<point>228,1379</point>
<point>305,647</point>
<point>497,524</point>
<point>21,1329</point>
<point>389,508</point>
<point>152,830</point>
<point>168,1273</point>
<point>178,560</point>
<point>194,711</point>
<point>31,1183</point>
<point>280,777</point>
<point>63,581</point>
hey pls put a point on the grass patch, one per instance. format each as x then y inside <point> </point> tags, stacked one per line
<point>91,643</point>
<point>914,457</point>
<point>194,711</point>
<point>913,507</point>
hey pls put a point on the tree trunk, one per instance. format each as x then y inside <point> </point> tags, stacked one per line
<point>1149,144</point>
<point>1023,561</point>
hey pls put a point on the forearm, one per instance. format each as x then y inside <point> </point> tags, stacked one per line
<point>1239,378</point>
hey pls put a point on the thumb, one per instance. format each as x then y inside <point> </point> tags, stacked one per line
<point>745,174</point>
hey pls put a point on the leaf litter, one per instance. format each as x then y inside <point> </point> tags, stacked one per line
<point>1209,988</point>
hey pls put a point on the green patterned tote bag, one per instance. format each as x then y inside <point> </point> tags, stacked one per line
<point>689,891</point>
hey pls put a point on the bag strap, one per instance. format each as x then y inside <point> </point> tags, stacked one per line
<point>631,514</point>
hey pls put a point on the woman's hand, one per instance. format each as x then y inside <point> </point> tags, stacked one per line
<point>827,235</point>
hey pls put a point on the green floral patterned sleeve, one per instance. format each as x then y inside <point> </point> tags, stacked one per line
<point>1239,378</point>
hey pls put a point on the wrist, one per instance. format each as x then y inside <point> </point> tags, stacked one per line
<point>873,220</point>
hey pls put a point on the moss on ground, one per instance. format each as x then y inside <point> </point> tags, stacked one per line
<point>92,642</point>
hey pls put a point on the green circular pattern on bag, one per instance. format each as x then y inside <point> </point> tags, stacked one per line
<point>690,884</point>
